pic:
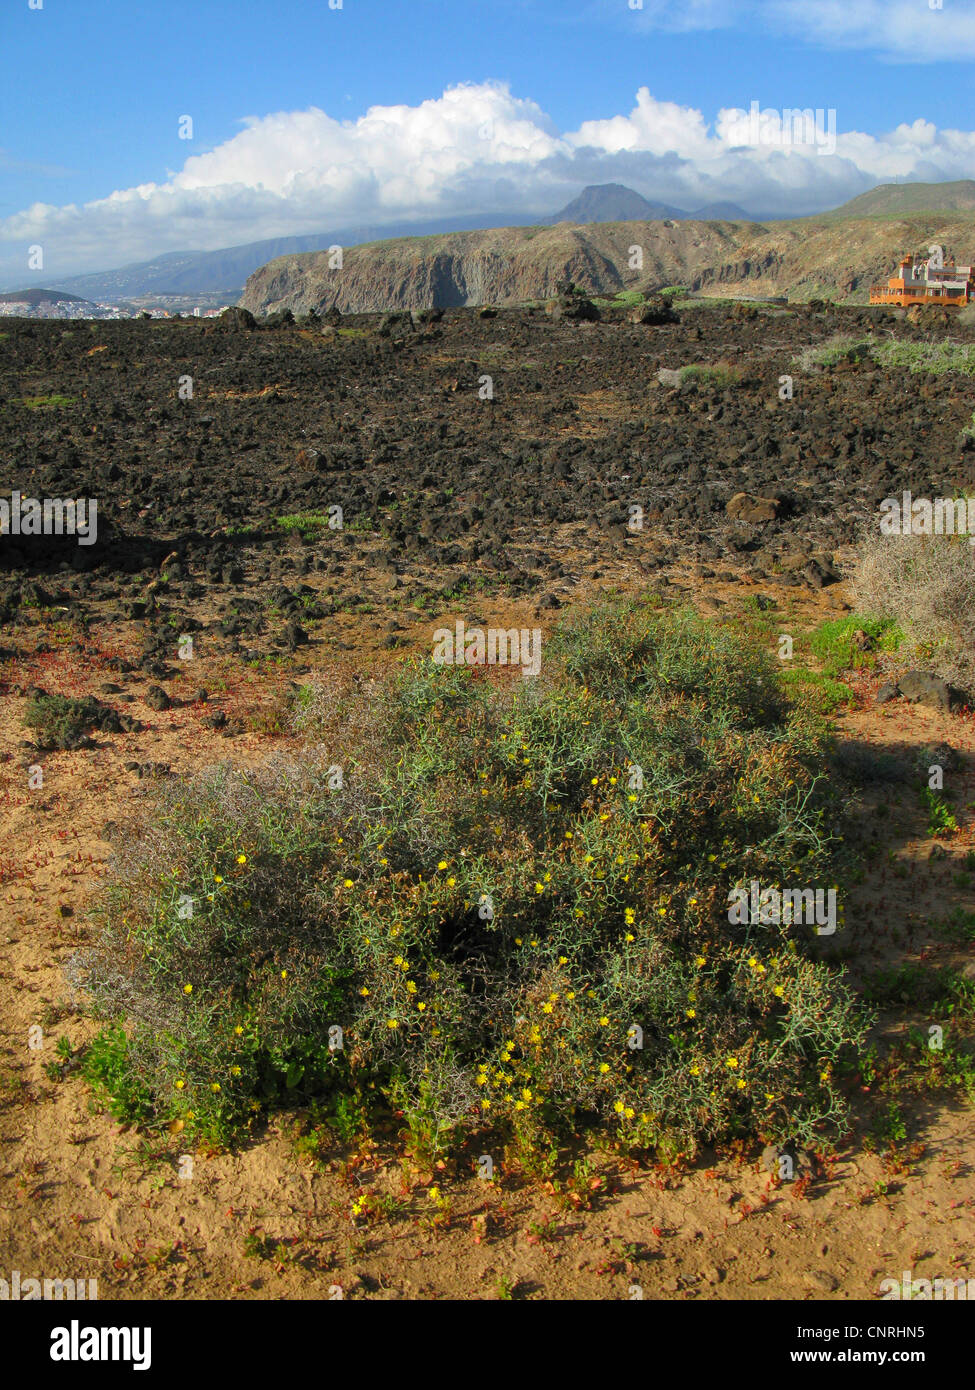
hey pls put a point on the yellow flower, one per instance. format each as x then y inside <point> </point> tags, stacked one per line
<point>563,960</point>
<point>571,994</point>
<point>238,1030</point>
<point>779,991</point>
<point>284,974</point>
<point>619,1107</point>
<point>180,1084</point>
<point>442,864</point>
<point>691,1013</point>
<point>628,1112</point>
<point>410,987</point>
<point>695,1070</point>
<point>392,1023</point>
<point>700,962</point>
<point>629,936</point>
<point>214,1086</point>
<point>547,1008</point>
<point>752,961</point>
<point>187,989</point>
<point>347,883</point>
<point>741,1084</point>
<point>451,882</point>
<point>242,859</point>
<point>731,1062</point>
<point>604,1067</point>
<point>539,888</point>
<point>526,1094</point>
<point>235,1071</point>
<point>217,878</point>
<point>604,1020</point>
<point>364,992</point>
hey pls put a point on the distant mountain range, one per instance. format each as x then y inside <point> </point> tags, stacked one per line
<point>614,202</point>
<point>223,273</point>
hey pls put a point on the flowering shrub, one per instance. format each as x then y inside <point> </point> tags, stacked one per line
<point>509,912</point>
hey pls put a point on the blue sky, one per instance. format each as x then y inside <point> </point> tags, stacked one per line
<point>94,89</point>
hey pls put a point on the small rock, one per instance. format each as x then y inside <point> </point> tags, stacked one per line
<point>921,687</point>
<point>669,377</point>
<point>744,507</point>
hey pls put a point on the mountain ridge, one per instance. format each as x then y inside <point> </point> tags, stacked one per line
<point>805,259</point>
<point>225,272</point>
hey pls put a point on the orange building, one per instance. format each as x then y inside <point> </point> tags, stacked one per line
<point>927,281</point>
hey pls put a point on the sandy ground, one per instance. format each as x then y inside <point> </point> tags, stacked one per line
<point>82,1197</point>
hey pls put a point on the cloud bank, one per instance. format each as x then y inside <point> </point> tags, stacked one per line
<point>477,148</point>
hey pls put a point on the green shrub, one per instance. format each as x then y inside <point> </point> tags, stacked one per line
<point>941,818</point>
<point>936,358</point>
<point>819,692</point>
<point>62,723</point>
<point>716,374</point>
<point>55,402</point>
<point>503,880</point>
<point>302,522</point>
<point>835,646</point>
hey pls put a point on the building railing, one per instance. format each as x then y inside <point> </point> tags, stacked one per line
<point>880,294</point>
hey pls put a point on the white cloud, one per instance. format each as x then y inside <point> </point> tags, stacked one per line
<point>475,149</point>
<point>909,30</point>
<point>913,31</point>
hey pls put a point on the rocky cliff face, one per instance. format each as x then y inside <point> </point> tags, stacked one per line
<point>500,266</point>
<point>508,265</point>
